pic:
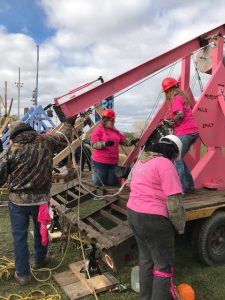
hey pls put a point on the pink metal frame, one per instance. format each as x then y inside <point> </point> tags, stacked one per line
<point>209,110</point>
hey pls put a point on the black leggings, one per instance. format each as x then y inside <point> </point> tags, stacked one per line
<point>155,238</point>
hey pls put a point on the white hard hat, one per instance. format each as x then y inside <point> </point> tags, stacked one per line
<point>174,139</point>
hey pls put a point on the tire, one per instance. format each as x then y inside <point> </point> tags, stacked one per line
<point>195,239</point>
<point>209,239</point>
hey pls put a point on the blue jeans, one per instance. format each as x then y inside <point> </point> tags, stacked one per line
<point>184,173</point>
<point>19,216</point>
<point>104,174</point>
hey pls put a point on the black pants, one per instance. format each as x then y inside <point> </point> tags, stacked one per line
<point>155,238</point>
<point>86,157</point>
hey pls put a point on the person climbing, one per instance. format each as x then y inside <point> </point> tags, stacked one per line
<point>27,166</point>
<point>105,140</point>
<point>184,125</point>
<point>83,157</point>
<point>154,210</point>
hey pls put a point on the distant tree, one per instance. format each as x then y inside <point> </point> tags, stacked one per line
<point>138,126</point>
<point>129,135</point>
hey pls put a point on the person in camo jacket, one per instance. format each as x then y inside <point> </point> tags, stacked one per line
<point>26,166</point>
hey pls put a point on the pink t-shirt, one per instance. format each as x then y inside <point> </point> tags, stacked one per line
<point>151,183</point>
<point>188,124</point>
<point>107,155</point>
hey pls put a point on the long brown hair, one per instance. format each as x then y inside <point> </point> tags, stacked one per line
<point>175,91</point>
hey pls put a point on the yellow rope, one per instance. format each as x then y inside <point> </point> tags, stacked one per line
<point>75,237</point>
<point>7,267</point>
<point>52,269</point>
<point>36,294</point>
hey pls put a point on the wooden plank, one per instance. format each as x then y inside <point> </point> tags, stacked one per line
<point>111,217</point>
<point>54,236</point>
<point>7,120</point>
<point>75,268</point>
<point>54,203</point>
<point>119,209</point>
<point>96,224</point>
<point>61,199</point>
<point>82,191</point>
<point>65,278</point>
<point>99,109</point>
<point>65,152</point>
<point>99,282</point>
<point>61,187</point>
<point>113,279</point>
<point>102,240</point>
<point>120,233</point>
<point>57,128</point>
<point>207,202</point>
<point>71,285</point>
<point>122,203</point>
<point>72,194</point>
<point>76,290</point>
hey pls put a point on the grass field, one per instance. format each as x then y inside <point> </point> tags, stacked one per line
<point>208,282</point>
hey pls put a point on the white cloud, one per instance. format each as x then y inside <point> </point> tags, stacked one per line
<point>107,38</point>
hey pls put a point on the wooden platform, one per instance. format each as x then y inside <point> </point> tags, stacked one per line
<point>76,286</point>
<point>108,224</point>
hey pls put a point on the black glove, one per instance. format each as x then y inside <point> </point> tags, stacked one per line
<point>109,143</point>
<point>134,141</point>
<point>168,122</point>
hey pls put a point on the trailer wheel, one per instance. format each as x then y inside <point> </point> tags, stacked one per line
<point>210,239</point>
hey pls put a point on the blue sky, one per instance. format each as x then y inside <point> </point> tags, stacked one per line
<point>25,16</point>
<point>79,40</point>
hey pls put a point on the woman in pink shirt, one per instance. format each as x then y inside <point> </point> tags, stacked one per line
<point>154,209</point>
<point>184,125</point>
<point>105,141</point>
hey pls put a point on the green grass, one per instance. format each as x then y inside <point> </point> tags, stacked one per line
<point>208,282</point>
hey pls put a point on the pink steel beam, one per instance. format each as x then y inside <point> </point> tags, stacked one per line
<point>75,105</point>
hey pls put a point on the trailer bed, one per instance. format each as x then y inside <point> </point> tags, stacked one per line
<point>106,221</point>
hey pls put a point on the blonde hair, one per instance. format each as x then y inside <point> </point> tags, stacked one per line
<point>175,91</point>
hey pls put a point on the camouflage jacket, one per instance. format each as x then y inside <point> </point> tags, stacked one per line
<point>27,165</point>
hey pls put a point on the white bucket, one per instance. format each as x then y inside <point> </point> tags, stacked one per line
<point>135,285</point>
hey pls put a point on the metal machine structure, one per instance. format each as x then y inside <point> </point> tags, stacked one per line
<point>206,206</point>
<point>37,118</point>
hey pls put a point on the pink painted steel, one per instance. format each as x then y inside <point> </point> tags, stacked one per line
<point>208,112</point>
<point>209,109</point>
<point>159,116</point>
<point>185,73</point>
<point>75,105</point>
<point>217,53</point>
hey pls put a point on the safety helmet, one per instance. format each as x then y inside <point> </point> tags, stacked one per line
<point>168,82</point>
<point>109,113</point>
<point>174,140</point>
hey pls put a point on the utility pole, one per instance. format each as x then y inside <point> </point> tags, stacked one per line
<point>5,97</point>
<point>19,85</point>
<point>36,94</point>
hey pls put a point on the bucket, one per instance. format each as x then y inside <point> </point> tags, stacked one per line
<point>135,285</point>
